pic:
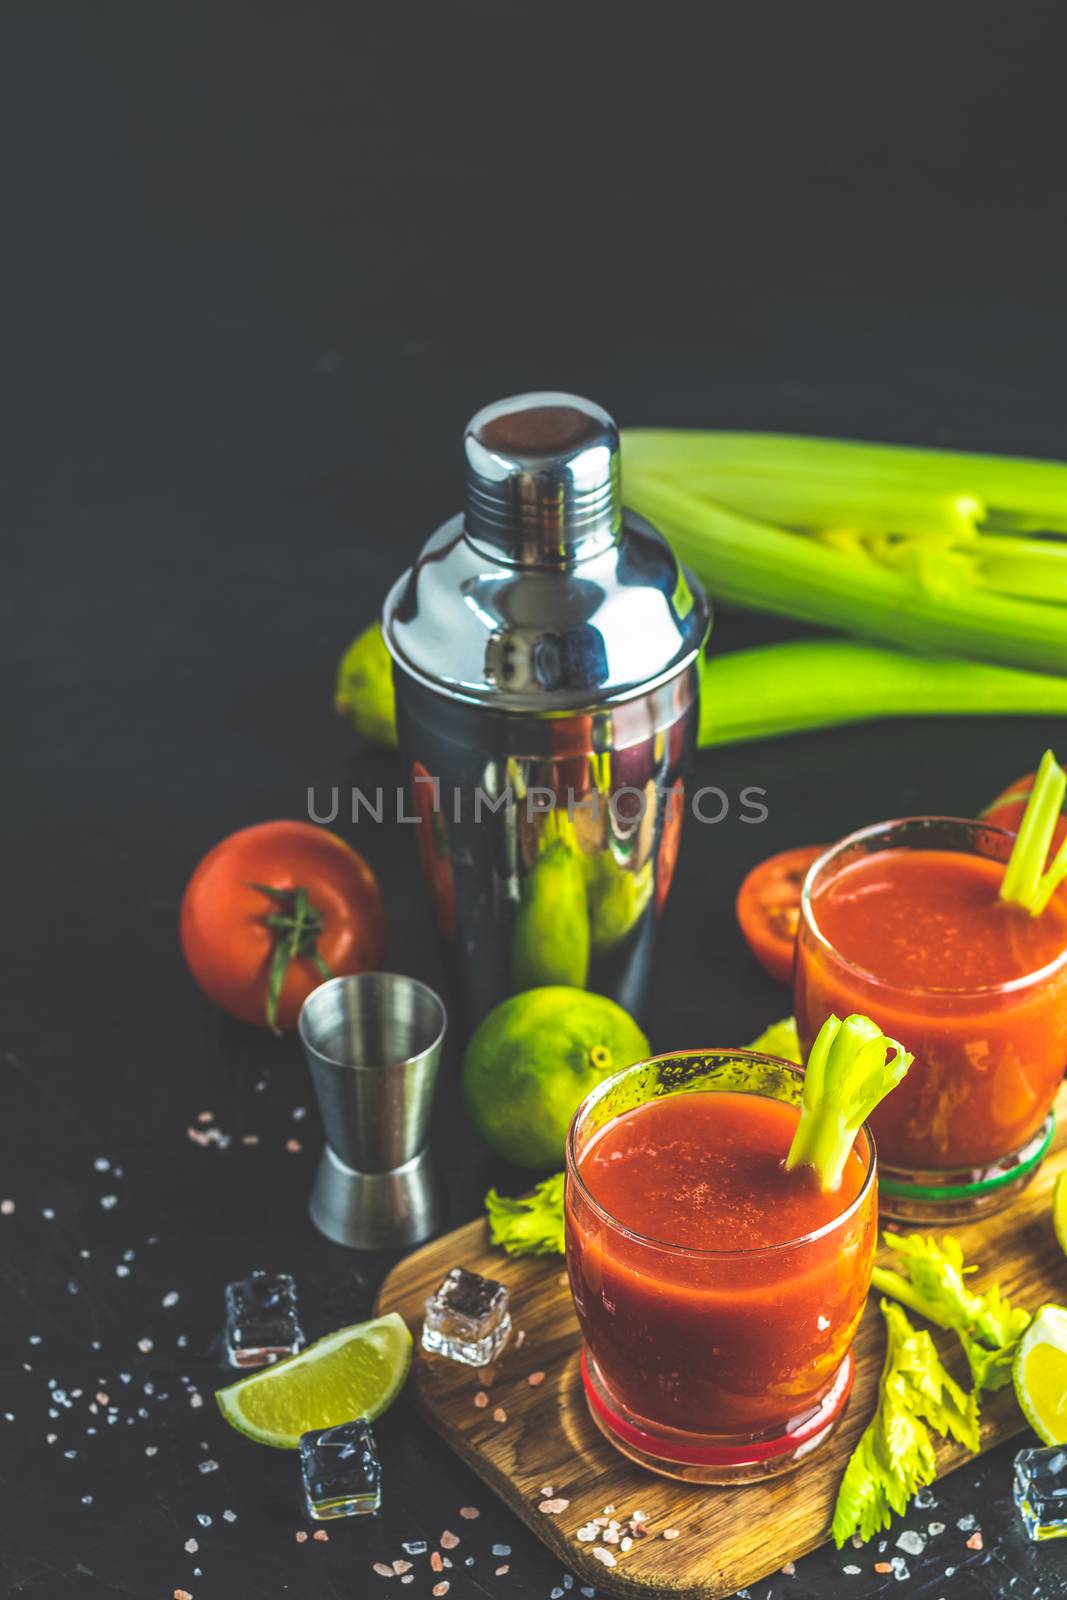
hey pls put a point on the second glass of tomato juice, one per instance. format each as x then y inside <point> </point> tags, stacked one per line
<point>718,1294</point>
<point>903,921</point>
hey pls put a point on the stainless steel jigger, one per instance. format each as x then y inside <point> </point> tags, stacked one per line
<point>373,1042</point>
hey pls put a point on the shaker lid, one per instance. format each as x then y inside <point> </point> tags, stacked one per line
<point>542,481</point>
<point>544,595</point>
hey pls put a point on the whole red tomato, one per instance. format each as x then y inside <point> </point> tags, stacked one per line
<point>273,911</point>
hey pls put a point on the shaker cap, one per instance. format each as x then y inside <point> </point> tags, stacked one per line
<point>542,483</point>
<point>545,595</point>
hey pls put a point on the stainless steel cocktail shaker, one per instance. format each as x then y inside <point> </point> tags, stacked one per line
<point>545,650</point>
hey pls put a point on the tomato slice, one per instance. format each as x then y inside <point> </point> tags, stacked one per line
<point>768,907</point>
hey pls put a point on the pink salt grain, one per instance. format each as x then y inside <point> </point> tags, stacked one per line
<point>300,1536</point>
<point>448,1540</point>
<point>382,1570</point>
<point>975,1542</point>
<point>441,1588</point>
<point>436,1562</point>
<point>469,1513</point>
<point>552,1508</point>
<point>481,1399</point>
<point>500,1415</point>
<point>535,1379</point>
<point>293,1146</point>
<point>520,1338</point>
<point>501,1572</point>
<point>400,1567</point>
<point>321,1535</point>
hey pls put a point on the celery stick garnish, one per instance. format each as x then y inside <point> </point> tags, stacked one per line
<point>851,1067</point>
<point>931,1282</point>
<point>1026,881</point>
<point>895,1454</point>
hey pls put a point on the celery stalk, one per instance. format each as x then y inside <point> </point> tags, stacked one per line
<point>816,683</point>
<point>851,1067</point>
<point>1026,882</point>
<point>1017,492</point>
<point>752,564</point>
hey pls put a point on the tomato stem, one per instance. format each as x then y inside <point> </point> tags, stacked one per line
<point>296,927</point>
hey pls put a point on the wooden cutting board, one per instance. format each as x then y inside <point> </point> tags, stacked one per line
<point>729,1537</point>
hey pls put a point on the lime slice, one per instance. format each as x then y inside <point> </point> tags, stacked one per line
<point>355,1372</point>
<point>1059,1210</point>
<point>1039,1373</point>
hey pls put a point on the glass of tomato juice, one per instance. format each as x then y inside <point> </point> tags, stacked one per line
<point>718,1294</point>
<point>903,922</point>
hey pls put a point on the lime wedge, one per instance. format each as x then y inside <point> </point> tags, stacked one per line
<point>355,1372</point>
<point>1059,1210</point>
<point>1039,1373</point>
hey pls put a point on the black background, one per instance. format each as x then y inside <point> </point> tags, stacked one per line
<point>261,263</point>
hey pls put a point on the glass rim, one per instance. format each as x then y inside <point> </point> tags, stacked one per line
<point>727,1053</point>
<point>971,991</point>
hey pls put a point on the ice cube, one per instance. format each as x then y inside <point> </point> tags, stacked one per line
<point>1041,1491</point>
<point>467,1319</point>
<point>341,1472</point>
<point>261,1320</point>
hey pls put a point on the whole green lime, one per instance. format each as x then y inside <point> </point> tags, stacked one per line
<point>533,1060</point>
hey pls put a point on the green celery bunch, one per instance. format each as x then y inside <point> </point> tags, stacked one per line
<point>895,1454</point>
<point>939,551</point>
<point>931,1281</point>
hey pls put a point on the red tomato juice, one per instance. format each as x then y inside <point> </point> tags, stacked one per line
<point>704,1305</point>
<point>974,987</point>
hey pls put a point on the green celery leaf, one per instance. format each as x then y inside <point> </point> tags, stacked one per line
<point>532,1225</point>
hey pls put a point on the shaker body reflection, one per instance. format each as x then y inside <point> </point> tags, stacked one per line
<point>548,849</point>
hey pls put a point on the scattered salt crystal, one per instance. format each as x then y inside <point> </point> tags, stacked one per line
<point>501,1550</point>
<point>913,1544</point>
<point>605,1557</point>
<point>448,1540</point>
<point>229,1516</point>
<point>182,1594</point>
<point>48,1214</point>
<point>441,1588</point>
<point>469,1513</point>
<point>102,1164</point>
<point>151,1449</point>
<point>853,1572</point>
<point>7,1208</point>
<point>414,1547</point>
<point>882,1566</point>
<point>207,1466</point>
<point>109,1201</point>
<point>250,1138</point>
<point>299,1113</point>
<point>379,1566</point>
<point>520,1338</point>
<point>170,1298</point>
<point>535,1379</point>
<point>626,1543</point>
<point>87,1499</point>
<point>293,1146</point>
<point>144,1345</point>
<point>501,1572</point>
<point>196,1400</point>
<point>50,1438</point>
<point>500,1415</point>
<point>205,1116</point>
<point>975,1542</point>
<point>321,1535</point>
<point>481,1399</point>
<point>789,1569</point>
<point>553,1507</point>
<point>400,1567</point>
<point>436,1562</point>
<point>191,1546</point>
<point>122,1270</point>
<point>672,1533</point>
<point>203,1519</point>
<point>301,1538</point>
<point>965,1524</point>
<point>934,1528</point>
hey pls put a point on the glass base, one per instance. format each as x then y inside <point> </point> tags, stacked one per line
<point>702,1458</point>
<point>968,1192</point>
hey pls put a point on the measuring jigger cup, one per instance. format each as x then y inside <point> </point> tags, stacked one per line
<point>373,1043</point>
